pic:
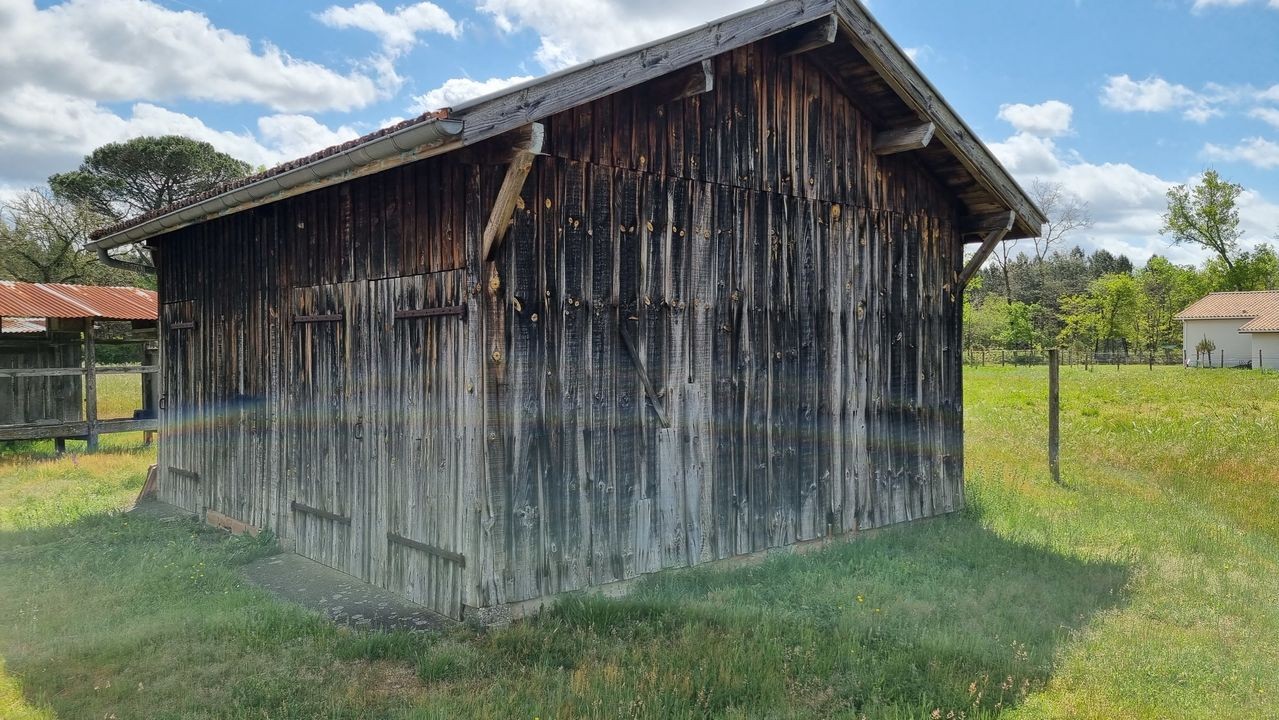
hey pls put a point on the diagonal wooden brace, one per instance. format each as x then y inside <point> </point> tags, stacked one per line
<point>993,238</point>
<point>522,154</point>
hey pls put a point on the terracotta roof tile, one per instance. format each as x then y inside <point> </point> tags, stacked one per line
<point>1260,308</point>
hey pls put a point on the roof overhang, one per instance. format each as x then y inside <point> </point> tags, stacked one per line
<point>969,168</point>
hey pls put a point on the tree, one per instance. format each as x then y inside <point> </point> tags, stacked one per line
<point>1205,215</point>
<point>42,239</point>
<point>1066,213</point>
<point>1003,259</point>
<point>126,179</point>
<point>1256,269</point>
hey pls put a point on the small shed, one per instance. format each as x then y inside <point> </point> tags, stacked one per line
<point>687,302</point>
<point>1243,328</point>
<point>48,359</point>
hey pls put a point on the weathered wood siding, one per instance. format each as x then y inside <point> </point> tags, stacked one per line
<point>784,290</point>
<point>311,388</point>
<point>26,400</point>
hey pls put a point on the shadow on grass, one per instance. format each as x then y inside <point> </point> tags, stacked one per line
<point>942,615</point>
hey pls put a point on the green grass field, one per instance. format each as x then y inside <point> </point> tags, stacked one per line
<point>1147,587</point>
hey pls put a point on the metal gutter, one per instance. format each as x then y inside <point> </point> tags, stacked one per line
<point>412,143</point>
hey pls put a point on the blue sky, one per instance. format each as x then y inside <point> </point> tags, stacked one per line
<point>1116,100</point>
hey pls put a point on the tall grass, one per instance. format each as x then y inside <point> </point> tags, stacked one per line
<point>1145,587</point>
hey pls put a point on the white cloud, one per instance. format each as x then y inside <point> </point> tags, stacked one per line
<point>1047,119</point>
<point>457,90</point>
<point>1126,203</point>
<point>572,31</point>
<point>1154,94</point>
<point>295,136</point>
<point>1201,5</point>
<point>1269,115</point>
<point>126,50</point>
<point>397,30</point>
<point>43,132</point>
<point>1027,155</point>
<point>1256,151</point>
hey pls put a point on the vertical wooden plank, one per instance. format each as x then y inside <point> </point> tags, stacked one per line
<point>699,422</point>
<point>631,405</point>
<point>525,548</point>
<point>575,380</point>
<point>604,353</point>
<point>548,324</point>
<point>494,524</point>
<point>673,520</point>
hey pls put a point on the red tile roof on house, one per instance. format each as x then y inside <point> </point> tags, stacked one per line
<point>46,300</point>
<point>1260,308</point>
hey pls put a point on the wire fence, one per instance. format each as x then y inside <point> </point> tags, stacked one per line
<point>1039,356</point>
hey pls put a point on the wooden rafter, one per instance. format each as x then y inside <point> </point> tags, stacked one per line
<point>899,140</point>
<point>521,161</point>
<point>816,34</point>
<point>686,82</point>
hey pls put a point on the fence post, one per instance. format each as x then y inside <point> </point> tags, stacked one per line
<point>1223,359</point>
<point>90,386</point>
<point>1054,406</point>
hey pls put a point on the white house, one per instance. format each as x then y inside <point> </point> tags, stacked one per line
<point>1244,327</point>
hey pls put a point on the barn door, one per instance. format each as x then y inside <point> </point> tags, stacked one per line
<point>326,425</point>
<point>180,427</point>
<point>420,459</point>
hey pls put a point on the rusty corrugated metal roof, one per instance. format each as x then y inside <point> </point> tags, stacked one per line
<point>1260,308</point>
<point>20,326</point>
<point>46,300</point>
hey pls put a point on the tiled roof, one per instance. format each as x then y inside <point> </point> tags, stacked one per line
<point>46,300</point>
<point>1260,308</point>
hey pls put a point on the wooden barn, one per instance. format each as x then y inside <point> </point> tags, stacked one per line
<point>691,301</point>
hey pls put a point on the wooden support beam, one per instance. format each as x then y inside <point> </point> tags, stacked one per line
<point>649,389</point>
<point>90,386</point>
<point>899,140</point>
<point>686,82</point>
<point>987,247</point>
<point>150,387</point>
<point>439,552</point>
<point>431,312</point>
<point>67,372</point>
<point>816,34</point>
<point>508,194</point>
<point>985,224</point>
<point>318,512</point>
<point>72,430</point>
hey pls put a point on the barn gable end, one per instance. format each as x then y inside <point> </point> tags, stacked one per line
<point>718,322</point>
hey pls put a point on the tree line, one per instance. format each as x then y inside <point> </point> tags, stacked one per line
<point>44,230</point>
<point>1042,294</point>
